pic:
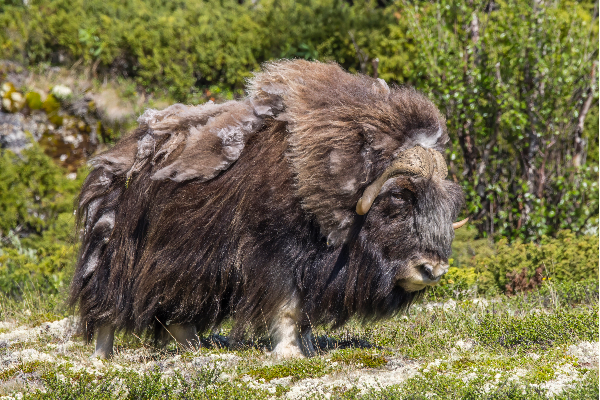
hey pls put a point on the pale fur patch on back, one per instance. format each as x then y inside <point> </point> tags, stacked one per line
<point>212,136</point>
<point>106,221</point>
<point>91,262</point>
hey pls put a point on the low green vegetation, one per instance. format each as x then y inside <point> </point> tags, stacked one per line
<point>63,383</point>
<point>359,357</point>
<point>296,370</point>
<point>519,347</point>
<point>537,329</point>
<point>449,388</point>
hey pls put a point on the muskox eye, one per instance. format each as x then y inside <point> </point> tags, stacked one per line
<point>402,195</point>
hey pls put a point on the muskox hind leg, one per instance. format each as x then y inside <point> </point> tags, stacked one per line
<point>185,334</point>
<point>288,340</point>
<point>105,337</point>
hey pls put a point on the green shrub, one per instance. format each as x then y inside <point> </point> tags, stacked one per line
<point>33,191</point>
<point>566,265</point>
<point>37,233</point>
<point>567,258</point>
<point>512,80</point>
<point>185,46</point>
<point>46,267</point>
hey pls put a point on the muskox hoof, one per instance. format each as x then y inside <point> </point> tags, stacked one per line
<point>186,335</point>
<point>287,351</point>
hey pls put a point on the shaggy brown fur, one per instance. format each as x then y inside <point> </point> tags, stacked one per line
<point>229,210</point>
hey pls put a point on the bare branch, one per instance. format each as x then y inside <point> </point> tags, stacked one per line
<point>362,56</point>
<point>375,63</point>
<point>578,157</point>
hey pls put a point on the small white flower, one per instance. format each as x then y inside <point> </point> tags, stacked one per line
<point>61,91</point>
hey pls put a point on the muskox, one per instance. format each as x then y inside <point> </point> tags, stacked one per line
<point>319,197</point>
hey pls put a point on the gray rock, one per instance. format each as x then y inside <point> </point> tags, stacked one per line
<point>36,124</point>
<point>12,132</point>
<point>13,128</point>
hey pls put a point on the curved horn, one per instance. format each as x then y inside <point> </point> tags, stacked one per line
<point>415,161</point>
<point>441,169</point>
<point>458,224</point>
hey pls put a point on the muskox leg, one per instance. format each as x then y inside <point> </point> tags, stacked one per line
<point>307,339</point>
<point>285,335</point>
<point>105,337</point>
<point>185,334</point>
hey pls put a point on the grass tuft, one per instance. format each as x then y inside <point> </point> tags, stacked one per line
<point>296,369</point>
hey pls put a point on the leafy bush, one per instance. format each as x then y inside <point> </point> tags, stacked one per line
<point>569,263</point>
<point>37,234</point>
<point>517,82</point>
<point>186,45</point>
<point>33,191</point>
<point>46,267</point>
<point>567,258</point>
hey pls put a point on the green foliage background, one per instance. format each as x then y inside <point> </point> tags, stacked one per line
<point>37,221</point>
<point>513,78</point>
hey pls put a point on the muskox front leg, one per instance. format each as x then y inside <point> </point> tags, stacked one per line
<point>307,342</point>
<point>105,337</point>
<point>185,334</point>
<point>287,339</point>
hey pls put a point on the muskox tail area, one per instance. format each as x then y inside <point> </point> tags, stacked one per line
<point>96,213</point>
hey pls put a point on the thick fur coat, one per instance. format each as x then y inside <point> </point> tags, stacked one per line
<point>231,210</point>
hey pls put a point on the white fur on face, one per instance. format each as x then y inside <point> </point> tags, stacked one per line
<point>416,279</point>
<point>428,141</point>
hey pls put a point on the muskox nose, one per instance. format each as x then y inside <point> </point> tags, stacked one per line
<point>434,271</point>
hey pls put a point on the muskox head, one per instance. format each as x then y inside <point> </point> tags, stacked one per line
<point>411,209</point>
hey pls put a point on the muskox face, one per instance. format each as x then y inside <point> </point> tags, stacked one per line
<point>409,228</point>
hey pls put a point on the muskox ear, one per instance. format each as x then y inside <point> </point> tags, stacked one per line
<point>188,142</point>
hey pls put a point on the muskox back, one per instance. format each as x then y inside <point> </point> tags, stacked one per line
<point>248,208</point>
